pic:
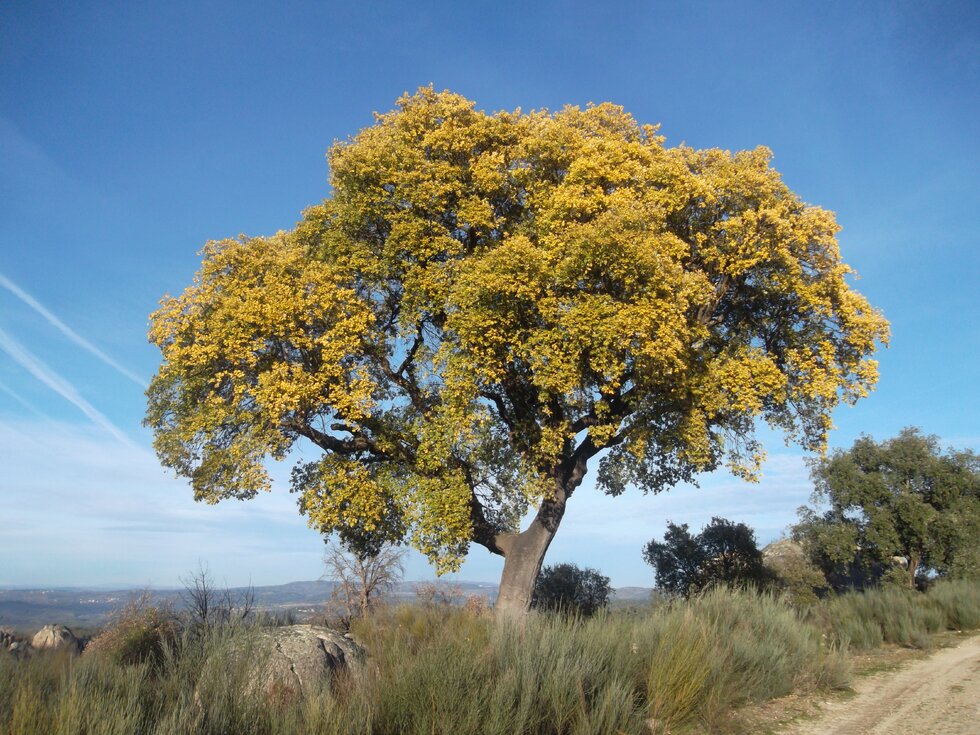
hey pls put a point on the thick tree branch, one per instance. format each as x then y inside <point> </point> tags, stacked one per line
<point>706,312</point>
<point>346,447</point>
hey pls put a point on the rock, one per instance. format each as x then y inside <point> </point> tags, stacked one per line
<point>284,663</point>
<point>783,552</point>
<point>20,649</point>
<point>55,636</point>
<point>13,643</point>
<point>793,572</point>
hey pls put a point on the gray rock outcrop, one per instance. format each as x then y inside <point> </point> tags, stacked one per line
<point>782,553</point>
<point>284,663</point>
<point>55,636</point>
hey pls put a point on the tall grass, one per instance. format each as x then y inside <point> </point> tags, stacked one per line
<point>439,669</point>
<point>865,620</point>
<point>725,649</point>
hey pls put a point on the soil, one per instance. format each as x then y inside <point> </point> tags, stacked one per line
<point>936,694</point>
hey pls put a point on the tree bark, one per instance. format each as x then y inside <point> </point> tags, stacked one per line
<point>523,555</point>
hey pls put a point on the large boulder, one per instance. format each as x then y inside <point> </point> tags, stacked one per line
<point>792,571</point>
<point>282,664</point>
<point>783,552</point>
<point>55,636</point>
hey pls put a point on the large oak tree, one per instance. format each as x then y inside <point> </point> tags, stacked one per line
<point>901,499</point>
<point>486,303</point>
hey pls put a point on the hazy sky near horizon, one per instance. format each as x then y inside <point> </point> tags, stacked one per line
<point>132,133</point>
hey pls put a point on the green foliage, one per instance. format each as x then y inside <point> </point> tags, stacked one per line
<point>960,602</point>
<point>568,588</point>
<point>792,574</point>
<point>899,500</point>
<point>723,553</point>
<point>680,671</point>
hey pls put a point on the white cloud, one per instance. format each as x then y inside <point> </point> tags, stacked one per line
<point>80,508</point>
<point>4,388</point>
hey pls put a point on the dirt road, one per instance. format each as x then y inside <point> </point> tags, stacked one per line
<point>937,695</point>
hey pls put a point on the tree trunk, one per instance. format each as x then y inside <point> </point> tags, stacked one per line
<point>914,558</point>
<point>523,555</point>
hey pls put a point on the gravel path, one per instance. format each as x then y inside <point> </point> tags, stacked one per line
<point>937,695</point>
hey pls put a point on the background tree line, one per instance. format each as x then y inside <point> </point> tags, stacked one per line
<point>899,512</point>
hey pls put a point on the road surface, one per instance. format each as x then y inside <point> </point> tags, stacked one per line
<point>938,695</point>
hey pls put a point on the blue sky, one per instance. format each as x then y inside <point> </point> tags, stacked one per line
<point>132,133</point>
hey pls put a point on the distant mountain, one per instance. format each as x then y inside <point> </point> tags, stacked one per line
<point>632,594</point>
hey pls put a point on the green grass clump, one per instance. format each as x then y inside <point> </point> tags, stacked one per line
<point>959,602</point>
<point>725,649</point>
<point>444,670</point>
<point>865,620</point>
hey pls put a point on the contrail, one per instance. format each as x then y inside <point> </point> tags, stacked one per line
<point>68,331</point>
<point>59,385</point>
<point>4,388</point>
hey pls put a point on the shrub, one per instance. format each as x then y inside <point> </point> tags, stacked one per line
<point>679,671</point>
<point>139,632</point>
<point>444,669</point>
<point>792,573</point>
<point>959,602</point>
<point>864,620</point>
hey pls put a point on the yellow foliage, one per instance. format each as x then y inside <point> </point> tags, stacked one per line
<point>489,300</point>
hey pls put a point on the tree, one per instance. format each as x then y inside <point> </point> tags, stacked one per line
<point>902,501</point>
<point>723,553</point>
<point>361,577</point>
<point>489,302</point>
<point>567,588</point>
<point>208,607</point>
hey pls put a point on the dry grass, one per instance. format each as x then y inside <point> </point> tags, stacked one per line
<point>445,669</point>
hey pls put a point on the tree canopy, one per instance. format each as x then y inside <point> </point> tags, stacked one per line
<point>723,553</point>
<point>568,588</point>
<point>484,304</point>
<point>898,502</point>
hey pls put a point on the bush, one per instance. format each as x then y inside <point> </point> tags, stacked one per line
<point>139,632</point>
<point>567,588</point>
<point>792,573</point>
<point>959,602</point>
<point>443,669</point>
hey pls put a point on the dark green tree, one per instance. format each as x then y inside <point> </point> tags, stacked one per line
<point>901,504</point>
<point>723,553</point>
<point>568,588</point>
